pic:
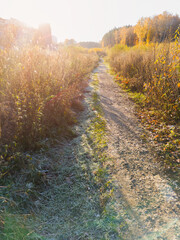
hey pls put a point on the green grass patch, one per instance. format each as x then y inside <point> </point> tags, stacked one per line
<point>137,97</point>
<point>13,227</point>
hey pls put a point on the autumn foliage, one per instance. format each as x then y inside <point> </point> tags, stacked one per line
<point>154,70</point>
<point>146,60</point>
<point>159,28</point>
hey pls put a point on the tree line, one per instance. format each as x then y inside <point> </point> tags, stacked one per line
<point>159,28</point>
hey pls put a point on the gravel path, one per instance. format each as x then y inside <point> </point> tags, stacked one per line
<point>144,196</point>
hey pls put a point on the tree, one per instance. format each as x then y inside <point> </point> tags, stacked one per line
<point>9,35</point>
<point>69,42</point>
<point>43,36</point>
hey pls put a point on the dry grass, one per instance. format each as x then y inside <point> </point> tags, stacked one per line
<point>40,90</point>
<point>152,70</point>
<point>37,90</point>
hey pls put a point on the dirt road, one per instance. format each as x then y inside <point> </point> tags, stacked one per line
<point>144,205</point>
<point>144,196</point>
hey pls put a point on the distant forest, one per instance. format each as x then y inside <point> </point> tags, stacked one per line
<point>150,29</point>
<point>90,44</point>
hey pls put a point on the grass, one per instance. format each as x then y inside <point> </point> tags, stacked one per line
<point>15,229</point>
<point>78,202</point>
<point>137,97</point>
<point>39,90</point>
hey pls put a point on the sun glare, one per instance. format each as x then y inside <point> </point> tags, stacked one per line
<point>32,12</point>
<point>83,20</point>
<point>59,14</point>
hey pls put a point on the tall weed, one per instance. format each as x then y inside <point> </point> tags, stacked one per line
<point>152,69</point>
<point>37,90</point>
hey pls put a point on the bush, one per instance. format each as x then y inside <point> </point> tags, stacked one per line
<point>152,70</point>
<point>99,51</point>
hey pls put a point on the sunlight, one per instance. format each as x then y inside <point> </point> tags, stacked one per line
<point>32,12</point>
<point>65,17</point>
<point>83,20</point>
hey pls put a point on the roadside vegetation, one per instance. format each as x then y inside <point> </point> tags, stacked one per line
<point>40,90</point>
<point>151,72</point>
<point>68,194</point>
<point>40,96</point>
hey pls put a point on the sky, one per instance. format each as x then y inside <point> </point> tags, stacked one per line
<point>84,20</point>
